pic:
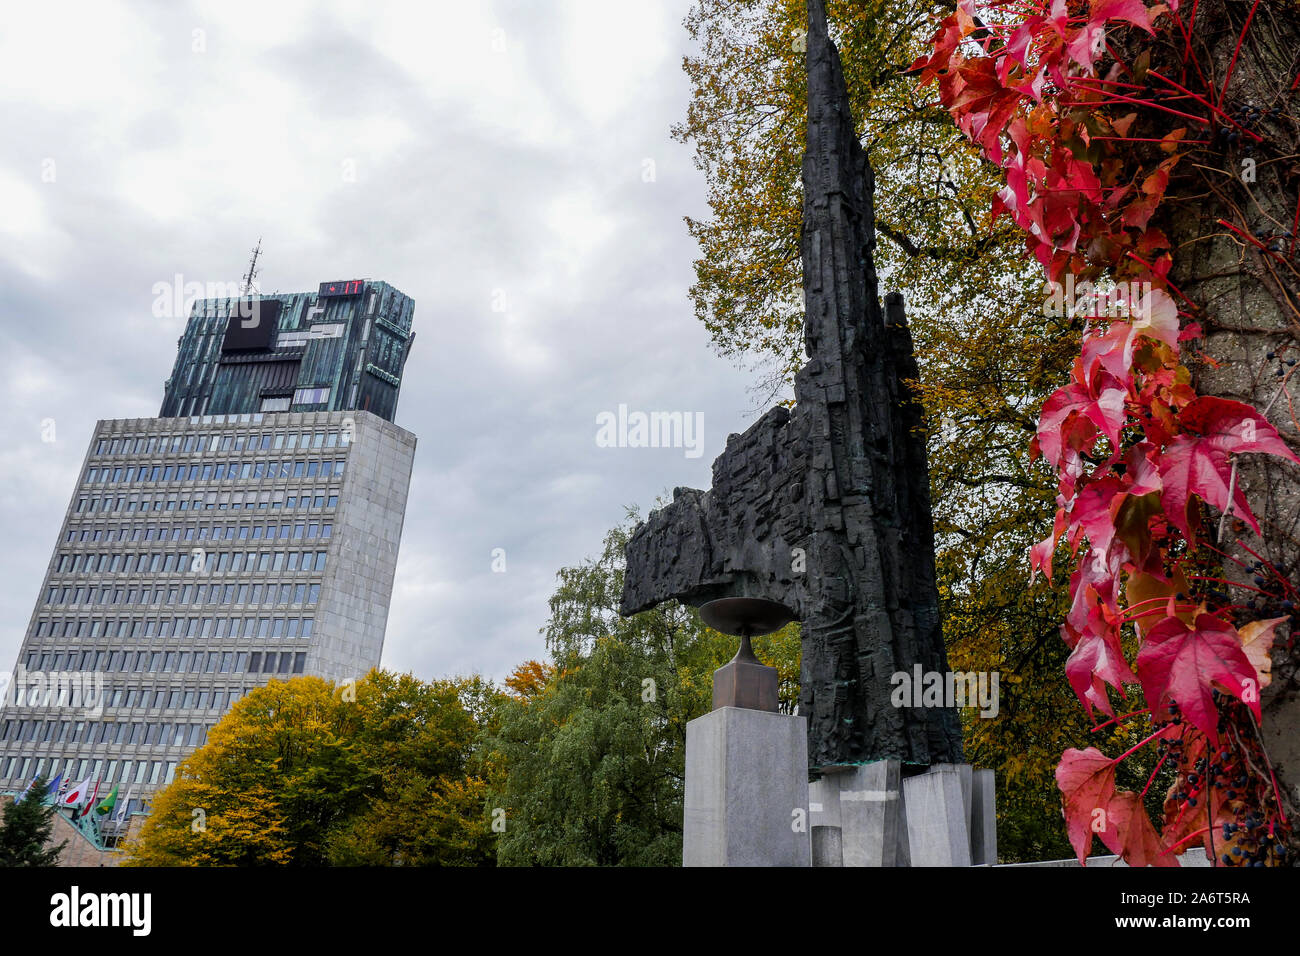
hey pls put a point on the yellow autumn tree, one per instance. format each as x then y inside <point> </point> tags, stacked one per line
<point>305,773</point>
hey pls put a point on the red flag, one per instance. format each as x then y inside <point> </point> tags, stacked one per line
<point>90,804</point>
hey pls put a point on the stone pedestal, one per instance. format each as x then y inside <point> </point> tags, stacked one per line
<point>938,808</point>
<point>824,821</point>
<point>983,821</point>
<point>858,816</point>
<point>871,815</point>
<point>746,790</point>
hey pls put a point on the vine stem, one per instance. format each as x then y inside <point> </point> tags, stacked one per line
<point>1235,584</point>
<point>1155,106</point>
<point>1208,105</point>
<point>1139,745</point>
<point>1136,258</point>
<point>1263,751</point>
<point>1232,484</point>
<point>1152,779</point>
<point>1177,605</point>
<point>1189,52</point>
<point>1251,239</point>
<point>1191,22</point>
<point>1113,720</point>
<point>1147,139</point>
<point>1240,40</point>
<point>1169,849</point>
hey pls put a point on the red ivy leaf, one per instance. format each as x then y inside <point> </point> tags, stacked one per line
<point>1086,779</point>
<point>1134,11</point>
<point>1197,464</point>
<point>1131,834</point>
<point>1102,404</point>
<point>1178,662</point>
<point>1094,663</point>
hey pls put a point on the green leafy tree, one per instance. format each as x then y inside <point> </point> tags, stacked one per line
<point>590,749</point>
<point>26,828</point>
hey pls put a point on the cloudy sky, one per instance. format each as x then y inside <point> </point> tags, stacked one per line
<point>470,154</point>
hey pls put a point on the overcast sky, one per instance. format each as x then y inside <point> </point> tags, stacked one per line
<point>468,153</point>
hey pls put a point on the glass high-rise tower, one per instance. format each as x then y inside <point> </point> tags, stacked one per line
<point>250,532</point>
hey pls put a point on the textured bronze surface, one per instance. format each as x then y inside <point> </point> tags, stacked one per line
<point>826,508</point>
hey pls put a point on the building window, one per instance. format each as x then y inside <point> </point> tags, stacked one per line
<point>311,396</point>
<point>276,404</point>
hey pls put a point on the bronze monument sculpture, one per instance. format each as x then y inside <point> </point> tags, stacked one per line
<point>825,508</point>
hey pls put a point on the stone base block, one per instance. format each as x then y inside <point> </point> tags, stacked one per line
<point>871,815</point>
<point>938,803</point>
<point>865,804</point>
<point>746,790</point>
<point>983,821</point>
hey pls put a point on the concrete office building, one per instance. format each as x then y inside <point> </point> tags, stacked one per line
<point>251,532</point>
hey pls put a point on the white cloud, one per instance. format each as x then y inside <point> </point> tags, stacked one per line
<point>484,161</point>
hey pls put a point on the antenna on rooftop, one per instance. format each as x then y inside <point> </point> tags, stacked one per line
<point>252,269</point>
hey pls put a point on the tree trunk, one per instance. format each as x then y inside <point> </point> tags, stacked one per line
<point>1249,303</point>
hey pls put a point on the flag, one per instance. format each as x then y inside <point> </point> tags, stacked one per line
<point>19,798</point>
<point>53,788</point>
<point>121,813</point>
<point>106,807</point>
<point>90,804</point>
<point>77,795</point>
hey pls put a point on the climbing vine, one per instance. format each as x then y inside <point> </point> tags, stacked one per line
<point>1091,109</point>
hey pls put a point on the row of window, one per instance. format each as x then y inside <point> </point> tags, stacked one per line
<point>203,532</point>
<point>173,662</point>
<point>217,471</point>
<point>194,561</point>
<point>138,733</point>
<point>173,502</point>
<point>220,441</point>
<point>190,532</point>
<point>83,695</point>
<point>251,595</point>
<point>254,595</point>
<point>273,627</point>
<point>237,501</point>
<point>20,771</point>
<point>155,698</point>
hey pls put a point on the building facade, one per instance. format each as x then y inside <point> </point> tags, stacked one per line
<point>201,556</point>
<point>341,347</point>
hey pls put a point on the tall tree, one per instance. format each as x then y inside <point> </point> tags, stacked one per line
<point>590,762</point>
<point>26,829</point>
<point>305,773</point>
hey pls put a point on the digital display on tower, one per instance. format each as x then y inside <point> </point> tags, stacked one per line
<point>251,325</point>
<point>350,287</point>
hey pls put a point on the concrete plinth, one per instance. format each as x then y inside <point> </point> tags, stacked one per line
<point>938,811</point>
<point>746,790</point>
<point>858,816</point>
<point>983,820</point>
<point>873,815</point>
